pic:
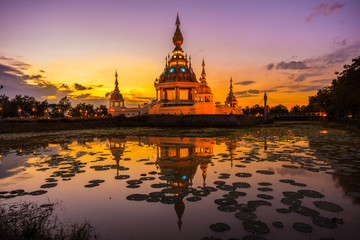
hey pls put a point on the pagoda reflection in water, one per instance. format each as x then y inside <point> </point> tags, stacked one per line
<point>177,161</point>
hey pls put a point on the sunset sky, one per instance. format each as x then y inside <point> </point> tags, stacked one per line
<point>52,48</point>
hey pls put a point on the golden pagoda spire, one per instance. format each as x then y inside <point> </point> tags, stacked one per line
<point>231,86</point>
<point>179,209</point>
<point>178,38</point>
<point>116,81</point>
<point>189,61</point>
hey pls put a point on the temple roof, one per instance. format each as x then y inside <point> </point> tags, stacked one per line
<point>231,96</point>
<point>116,95</point>
<point>177,67</point>
<point>203,88</point>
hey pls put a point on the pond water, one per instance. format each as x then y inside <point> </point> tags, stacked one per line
<point>174,184</point>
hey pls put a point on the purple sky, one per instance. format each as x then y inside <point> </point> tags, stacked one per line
<point>44,44</point>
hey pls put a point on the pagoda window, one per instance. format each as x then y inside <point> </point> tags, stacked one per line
<point>116,104</point>
<point>184,94</point>
<point>170,93</point>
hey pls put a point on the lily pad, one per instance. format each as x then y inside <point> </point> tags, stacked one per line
<point>298,184</point>
<point>265,189</point>
<point>245,216</point>
<point>286,180</point>
<point>97,181</point>
<point>146,178</point>
<point>122,177</point>
<point>256,203</point>
<point>266,172</point>
<point>283,210</point>
<point>227,208</point>
<point>38,192</point>
<point>243,175</point>
<point>219,227</point>
<point>290,166</point>
<point>278,224</point>
<point>241,185</point>
<point>265,184</point>
<point>302,227</point>
<point>225,187</point>
<point>48,185</point>
<point>133,186</point>
<point>201,193</point>
<point>225,201</point>
<point>304,211</point>
<point>209,189</point>
<point>91,185</point>
<point>328,206</point>
<point>219,183</point>
<point>134,182</point>
<point>324,222</point>
<point>170,200</point>
<point>265,196</point>
<point>311,193</point>
<point>292,195</point>
<point>290,201</point>
<point>256,227</point>
<point>137,197</point>
<point>159,185</point>
<point>194,199</point>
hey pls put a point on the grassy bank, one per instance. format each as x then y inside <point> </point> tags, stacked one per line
<point>31,221</point>
<point>188,121</point>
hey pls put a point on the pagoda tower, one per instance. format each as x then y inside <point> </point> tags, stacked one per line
<point>204,97</point>
<point>177,84</point>
<point>116,101</point>
<point>231,100</point>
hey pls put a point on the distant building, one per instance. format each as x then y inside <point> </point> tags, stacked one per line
<point>117,103</point>
<point>178,91</point>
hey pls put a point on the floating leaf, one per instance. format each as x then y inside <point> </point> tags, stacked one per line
<point>266,172</point>
<point>219,227</point>
<point>137,197</point>
<point>328,206</point>
<point>311,193</point>
<point>245,216</point>
<point>256,227</point>
<point>302,227</point>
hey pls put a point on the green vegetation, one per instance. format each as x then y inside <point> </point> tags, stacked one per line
<point>341,99</point>
<point>30,221</point>
<point>26,106</point>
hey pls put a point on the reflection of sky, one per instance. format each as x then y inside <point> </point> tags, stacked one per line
<point>106,207</point>
<point>84,41</point>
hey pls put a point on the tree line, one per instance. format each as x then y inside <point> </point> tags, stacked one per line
<point>27,106</point>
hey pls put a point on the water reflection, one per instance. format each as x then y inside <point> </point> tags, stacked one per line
<point>228,175</point>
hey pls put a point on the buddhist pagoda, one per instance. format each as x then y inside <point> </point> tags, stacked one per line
<point>117,103</point>
<point>177,89</point>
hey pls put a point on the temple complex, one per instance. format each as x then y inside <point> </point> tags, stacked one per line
<point>179,92</point>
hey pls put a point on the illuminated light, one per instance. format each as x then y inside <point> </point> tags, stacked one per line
<point>180,56</point>
<point>184,177</point>
<point>191,71</point>
<point>324,131</point>
<point>183,69</point>
<point>171,70</point>
<point>163,72</point>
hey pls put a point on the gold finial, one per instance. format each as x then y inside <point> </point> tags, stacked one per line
<point>116,81</point>
<point>177,23</point>
<point>203,74</point>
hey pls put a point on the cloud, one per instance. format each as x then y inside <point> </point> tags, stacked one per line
<point>9,70</point>
<point>16,82</point>
<point>80,87</point>
<point>291,65</point>
<point>340,56</point>
<point>64,86</point>
<point>270,66</point>
<point>338,42</point>
<point>298,88</point>
<point>244,83</point>
<point>252,92</point>
<point>325,9</point>
<point>301,77</point>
